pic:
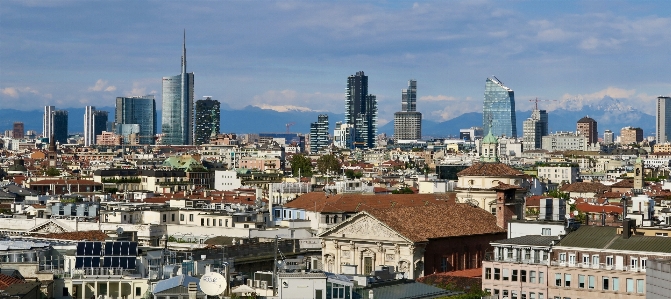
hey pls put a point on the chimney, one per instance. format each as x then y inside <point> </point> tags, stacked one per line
<point>628,227</point>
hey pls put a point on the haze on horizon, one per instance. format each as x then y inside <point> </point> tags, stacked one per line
<point>297,54</point>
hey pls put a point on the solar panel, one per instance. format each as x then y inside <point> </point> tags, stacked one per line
<point>97,248</point>
<point>95,262</point>
<point>108,248</point>
<point>79,262</point>
<point>88,248</point>
<point>131,263</point>
<point>87,262</point>
<point>115,262</point>
<point>107,262</point>
<point>80,248</point>
<point>117,248</point>
<point>124,248</point>
<point>133,249</point>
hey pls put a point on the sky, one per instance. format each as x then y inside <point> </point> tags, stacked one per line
<point>285,55</point>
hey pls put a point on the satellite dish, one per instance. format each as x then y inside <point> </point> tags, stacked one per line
<point>575,213</point>
<point>213,284</point>
<point>119,231</point>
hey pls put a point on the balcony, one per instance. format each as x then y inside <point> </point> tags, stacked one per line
<point>515,260</point>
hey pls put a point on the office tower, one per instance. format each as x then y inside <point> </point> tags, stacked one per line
<point>59,126</point>
<point>663,125</point>
<point>17,130</point>
<point>587,126</point>
<point>343,135</point>
<point>319,133</point>
<point>47,123</point>
<point>499,109</point>
<point>361,111</point>
<point>629,135</point>
<point>408,122</point>
<point>207,120</point>
<point>608,137</point>
<point>95,122</point>
<point>470,134</point>
<point>136,115</point>
<point>177,121</point>
<point>534,128</point>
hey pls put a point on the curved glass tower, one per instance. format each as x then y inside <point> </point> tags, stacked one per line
<point>498,111</point>
<point>177,119</point>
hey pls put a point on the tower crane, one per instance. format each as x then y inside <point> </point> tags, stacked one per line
<point>289,125</point>
<point>537,100</point>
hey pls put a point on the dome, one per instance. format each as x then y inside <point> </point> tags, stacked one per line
<point>490,139</point>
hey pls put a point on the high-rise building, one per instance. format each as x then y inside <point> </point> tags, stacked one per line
<point>608,137</point>
<point>587,127</point>
<point>18,130</point>
<point>629,135</point>
<point>319,133</point>
<point>207,120</point>
<point>47,123</point>
<point>177,121</point>
<point>95,122</point>
<point>534,128</point>
<point>343,135</point>
<point>499,109</point>
<point>361,111</point>
<point>663,125</point>
<point>59,125</point>
<point>408,122</point>
<point>136,115</point>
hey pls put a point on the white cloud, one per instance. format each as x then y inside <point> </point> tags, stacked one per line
<point>101,85</point>
<point>283,108</point>
<point>284,100</point>
<point>442,107</point>
<point>437,98</point>
<point>10,91</point>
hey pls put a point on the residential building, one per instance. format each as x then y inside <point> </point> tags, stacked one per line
<point>629,135</point>
<point>140,111</point>
<point>608,137</point>
<point>663,124</point>
<point>319,133</point>
<point>563,141</point>
<point>361,111</point>
<point>498,114</point>
<point>314,285</point>
<point>657,277</point>
<point>177,114</point>
<point>59,126</point>
<point>95,122</point>
<point>587,127</point>
<point>226,180</point>
<point>47,123</point>
<point>534,128</point>
<point>408,122</point>
<point>207,120</point>
<point>559,172</point>
<point>18,130</point>
<point>343,135</point>
<point>109,138</point>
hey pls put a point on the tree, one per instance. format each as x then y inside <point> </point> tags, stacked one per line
<point>52,171</point>
<point>327,164</point>
<point>301,163</point>
<point>351,174</point>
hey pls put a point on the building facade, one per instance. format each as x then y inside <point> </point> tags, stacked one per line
<point>629,135</point>
<point>319,133</point>
<point>207,120</point>
<point>59,126</point>
<point>408,122</point>
<point>663,124</point>
<point>499,109</point>
<point>177,115</point>
<point>18,130</point>
<point>140,111</point>
<point>343,135</point>
<point>361,111</point>
<point>587,127</point>
<point>47,123</point>
<point>563,141</point>
<point>608,137</point>
<point>95,122</point>
<point>534,128</point>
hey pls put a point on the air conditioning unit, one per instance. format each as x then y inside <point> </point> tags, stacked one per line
<point>256,283</point>
<point>264,284</point>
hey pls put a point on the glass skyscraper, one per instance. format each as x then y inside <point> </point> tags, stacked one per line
<point>663,121</point>
<point>499,109</point>
<point>408,122</point>
<point>177,121</point>
<point>207,120</point>
<point>319,133</point>
<point>361,111</point>
<point>95,122</point>
<point>138,111</point>
<point>59,125</point>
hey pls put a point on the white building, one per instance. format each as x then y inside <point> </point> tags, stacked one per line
<point>226,180</point>
<point>561,172</point>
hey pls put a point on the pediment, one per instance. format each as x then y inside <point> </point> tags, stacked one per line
<point>49,227</point>
<point>364,227</point>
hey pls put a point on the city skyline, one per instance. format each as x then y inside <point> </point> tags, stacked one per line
<point>560,51</point>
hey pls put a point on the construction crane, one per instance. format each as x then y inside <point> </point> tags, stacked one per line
<point>289,126</point>
<point>537,100</point>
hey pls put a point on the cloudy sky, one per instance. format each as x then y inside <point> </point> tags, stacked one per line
<point>297,54</point>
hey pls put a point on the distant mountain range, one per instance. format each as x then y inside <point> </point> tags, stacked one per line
<point>609,113</point>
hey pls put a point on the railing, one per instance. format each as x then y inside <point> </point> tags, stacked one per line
<point>600,266</point>
<point>516,260</point>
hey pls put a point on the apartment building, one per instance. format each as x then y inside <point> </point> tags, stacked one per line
<point>559,172</point>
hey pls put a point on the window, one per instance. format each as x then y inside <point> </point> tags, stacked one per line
<point>527,254</point>
<point>510,253</point>
<point>571,259</point>
<point>524,295</point>
<point>644,261</point>
<point>558,279</point>
<point>514,275</point>
<point>191,217</point>
<point>226,222</point>
<point>138,291</point>
<point>640,284</point>
<point>544,255</point>
<point>591,281</point>
<point>523,273</point>
<point>630,285</point>
<point>562,257</point>
<point>165,217</point>
<point>208,221</point>
<point>546,231</point>
<point>540,296</point>
<point>532,276</point>
<point>505,293</point>
<point>221,221</point>
<point>181,217</point>
<point>513,294</point>
<point>506,273</point>
<point>488,273</point>
<point>609,260</point>
<point>497,273</point>
<point>633,262</point>
<point>532,295</point>
<point>605,282</point>
<point>202,221</point>
<point>585,259</point>
<point>581,281</point>
<point>172,217</point>
<point>567,280</point>
<point>595,260</point>
<point>541,280</point>
<point>616,284</point>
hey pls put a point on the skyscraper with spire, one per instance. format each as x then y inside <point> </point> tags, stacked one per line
<point>177,121</point>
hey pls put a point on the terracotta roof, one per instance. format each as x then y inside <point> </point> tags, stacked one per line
<point>421,223</point>
<point>6,280</point>
<point>595,187</point>
<point>504,186</point>
<point>535,200</point>
<point>477,272</point>
<point>489,169</point>
<point>92,235</point>
<point>359,202</point>
<point>589,208</point>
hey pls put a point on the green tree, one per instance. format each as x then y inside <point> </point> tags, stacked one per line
<point>558,194</point>
<point>327,164</point>
<point>52,171</point>
<point>404,190</point>
<point>302,163</point>
<point>351,174</point>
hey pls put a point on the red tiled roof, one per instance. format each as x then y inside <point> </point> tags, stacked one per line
<point>463,273</point>
<point>6,280</point>
<point>590,208</point>
<point>489,169</point>
<point>359,202</point>
<point>92,235</point>
<point>583,187</point>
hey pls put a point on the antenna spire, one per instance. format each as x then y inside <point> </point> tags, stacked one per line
<point>184,53</point>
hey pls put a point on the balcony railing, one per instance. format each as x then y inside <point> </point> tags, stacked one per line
<point>600,266</point>
<point>516,260</point>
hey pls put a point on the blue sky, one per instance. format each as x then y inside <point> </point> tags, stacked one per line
<point>298,54</point>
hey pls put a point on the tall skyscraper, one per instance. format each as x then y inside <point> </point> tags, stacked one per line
<point>663,125</point>
<point>499,109</point>
<point>319,133</point>
<point>18,130</point>
<point>136,115</point>
<point>47,123</point>
<point>177,121</point>
<point>207,120</point>
<point>59,125</point>
<point>95,122</point>
<point>587,127</point>
<point>534,128</point>
<point>408,122</point>
<point>361,111</point>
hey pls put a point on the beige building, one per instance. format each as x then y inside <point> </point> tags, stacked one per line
<point>629,135</point>
<point>476,184</point>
